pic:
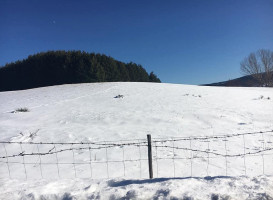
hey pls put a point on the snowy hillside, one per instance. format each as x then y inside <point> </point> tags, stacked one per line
<point>208,142</point>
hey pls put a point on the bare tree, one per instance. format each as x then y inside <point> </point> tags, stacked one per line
<point>260,66</point>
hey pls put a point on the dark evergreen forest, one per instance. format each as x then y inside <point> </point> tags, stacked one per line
<point>67,67</point>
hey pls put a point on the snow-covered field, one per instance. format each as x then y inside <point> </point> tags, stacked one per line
<point>184,167</point>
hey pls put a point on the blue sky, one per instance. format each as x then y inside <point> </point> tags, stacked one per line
<point>189,42</point>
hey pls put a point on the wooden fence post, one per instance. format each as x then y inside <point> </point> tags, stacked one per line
<point>150,161</point>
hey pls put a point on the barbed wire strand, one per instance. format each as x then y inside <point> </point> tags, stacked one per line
<point>161,146</point>
<point>210,137</point>
<point>114,161</point>
<point>199,157</point>
<point>77,163</point>
<point>215,153</point>
<point>117,161</point>
<point>59,151</point>
<point>78,143</point>
<point>144,141</point>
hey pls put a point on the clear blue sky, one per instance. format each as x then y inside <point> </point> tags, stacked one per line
<point>191,42</point>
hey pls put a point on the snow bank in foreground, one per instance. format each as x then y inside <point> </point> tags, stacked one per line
<point>162,188</point>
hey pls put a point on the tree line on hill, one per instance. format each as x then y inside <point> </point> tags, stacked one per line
<point>68,67</point>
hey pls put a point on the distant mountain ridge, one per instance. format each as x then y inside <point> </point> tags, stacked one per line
<point>67,67</point>
<point>244,81</point>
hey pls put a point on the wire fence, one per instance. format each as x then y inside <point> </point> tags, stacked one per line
<point>229,155</point>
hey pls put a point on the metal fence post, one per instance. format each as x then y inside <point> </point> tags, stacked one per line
<point>150,161</point>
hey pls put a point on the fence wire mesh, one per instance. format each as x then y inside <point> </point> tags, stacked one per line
<point>228,155</point>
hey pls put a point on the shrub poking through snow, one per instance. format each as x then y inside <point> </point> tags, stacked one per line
<point>22,110</point>
<point>119,96</point>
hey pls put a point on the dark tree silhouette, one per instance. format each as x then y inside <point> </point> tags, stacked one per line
<point>260,66</point>
<point>153,78</point>
<point>66,67</point>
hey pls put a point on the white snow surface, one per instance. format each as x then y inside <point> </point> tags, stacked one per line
<point>90,113</point>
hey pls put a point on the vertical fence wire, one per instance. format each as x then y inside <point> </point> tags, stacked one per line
<point>191,156</point>
<point>90,161</point>
<point>263,146</point>
<point>244,154</point>
<point>173,161</point>
<point>123,160</point>
<point>208,158</point>
<point>226,154</point>
<point>40,161</point>
<point>74,161</point>
<point>156,160</point>
<point>106,152</point>
<point>57,161</point>
<point>7,159</point>
<point>23,160</point>
<point>139,159</point>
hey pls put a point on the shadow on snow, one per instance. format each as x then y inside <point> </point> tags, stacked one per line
<point>113,183</point>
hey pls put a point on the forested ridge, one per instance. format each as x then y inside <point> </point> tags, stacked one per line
<point>67,67</point>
